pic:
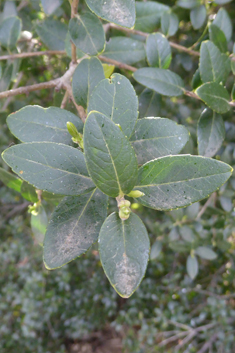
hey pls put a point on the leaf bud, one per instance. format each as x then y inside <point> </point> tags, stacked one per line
<point>124,213</point>
<point>72,129</point>
<point>135,194</point>
<point>124,203</point>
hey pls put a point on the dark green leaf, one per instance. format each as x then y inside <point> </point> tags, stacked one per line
<point>210,133</point>
<point>110,159</point>
<point>192,266</point>
<point>10,180</point>
<point>50,6</point>
<point>121,12</point>
<point>5,79</point>
<point>198,16</point>
<point>212,63</point>
<point>155,250</point>
<point>223,21</point>
<point>215,96</point>
<point>37,124</point>
<point>149,103</point>
<point>52,33</point>
<point>86,76</point>
<point>68,48</point>
<point>87,33</point>
<point>38,224</point>
<point>10,29</point>
<point>196,81</point>
<point>52,198</point>
<point>177,181</point>
<point>169,23</point>
<point>116,99</point>
<point>74,227</point>
<point>158,51</point>
<point>157,137</point>
<point>148,15</point>
<point>28,192</point>
<point>124,252</point>
<point>206,253</point>
<point>162,81</point>
<point>217,36</point>
<point>125,50</point>
<point>50,166</point>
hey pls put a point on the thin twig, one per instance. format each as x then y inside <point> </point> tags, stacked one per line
<point>64,101</point>
<point>209,343</point>
<point>16,84</point>
<point>74,11</point>
<point>31,54</point>
<point>186,340</point>
<point>79,108</point>
<point>204,207</point>
<point>117,63</point>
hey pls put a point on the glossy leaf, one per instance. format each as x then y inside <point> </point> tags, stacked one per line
<point>148,15</point>
<point>36,124</point>
<point>10,180</point>
<point>162,81</point>
<point>206,253</point>
<point>50,6</point>
<point>158,51</point>
<point>74,227</point>
<point>52,33</point>
<point>121,12</point>
<point>87,33</point>
<point>192,266</point>
<point>157,137</point>
<point>177,181</point>
<point>149,103</point>
<point>86,76</point>
<point>125,50</point>
<point>10,29</point>
<point>169,23</point>
<point>50,166</point>
<point>212,63</point>
<point>210,133</point>
<point>217,36</point>
<point>116,99</point>
<point>124,251</point>
<point>38,224</point>
<point>215,96</point>
<point>198,16</point>
<point>110,159</point>
<point>223,21</point>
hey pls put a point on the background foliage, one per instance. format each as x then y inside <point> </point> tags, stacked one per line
<point>45,311</point>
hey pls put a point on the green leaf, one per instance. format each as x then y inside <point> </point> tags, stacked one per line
<point>158,51</point>
<point>9,9</point>
<point>149,103</point>
<point>52,198</point>
<point>148,15</point>
<point>187,234</point>
<point>212,63</point>
<point>125,50</point>
<point>108,70</point>
<point>36,124</point>
<point>217,36</point>
<point>10,29</point>
<point>38,224</point>
<point>192,266</point>
<point>5,79</point>
<point>86,76</point>
<point>121,12</point>
<point>50,6</point>
<point>198,16</point>
<point>210,133</point>
<point>162,81</point>
<point>50,166</point>
<point>222,2</point>
<point>155,250</point>
<point>10,180</point>
<point>74,227</point>
<point>205,253</point>
<point>28,192</point>
<point>157,137</point>
<point>188,4</point>
<point>169,23</point>
<point>68,48</point>
<point>52,33</point>
<point>110,159</point>
<point>196,81</point>
<point>223,21</point>
<point>116,99</point>
<point>124,252</point>
<point>87,33</point>
<point>177,181</point>
<point>215,96</point>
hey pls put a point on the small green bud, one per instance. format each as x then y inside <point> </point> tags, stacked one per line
<point>135,194</point>
<point>72,129</point>
<point>124,213</point>
<point>124,203</point>
<point>33,209</point>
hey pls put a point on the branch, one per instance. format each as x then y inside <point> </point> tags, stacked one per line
<point>117,63</point>
<point>36,53</point>
<point>74,11</point>
<point>16,84</point>
<point>209,343</point>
